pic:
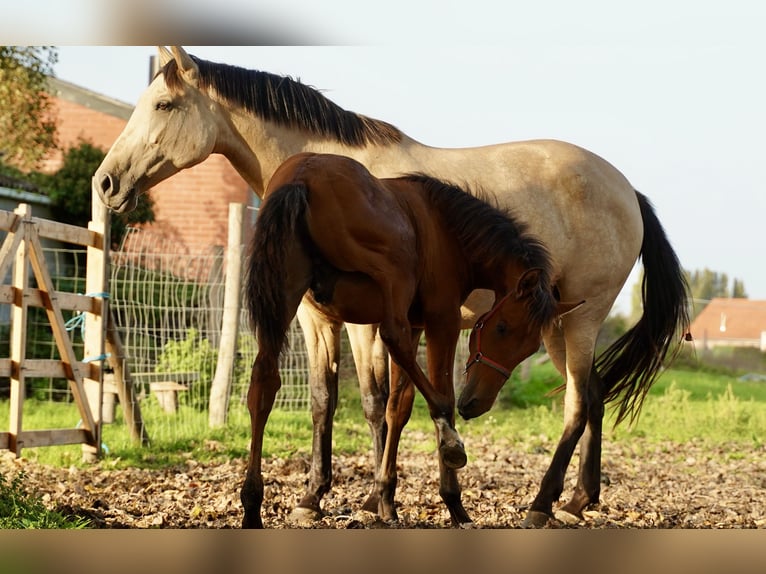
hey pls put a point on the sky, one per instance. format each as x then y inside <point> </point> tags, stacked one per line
<point>671,93</point>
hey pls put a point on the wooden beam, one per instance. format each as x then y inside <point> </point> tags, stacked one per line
<point>34,297</point>
<point>53,437</point>
<point>42,368</point>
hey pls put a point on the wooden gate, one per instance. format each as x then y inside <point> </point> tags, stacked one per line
<point>22,251</point>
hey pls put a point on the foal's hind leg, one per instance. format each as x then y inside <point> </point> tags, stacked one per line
<point>264,384</point>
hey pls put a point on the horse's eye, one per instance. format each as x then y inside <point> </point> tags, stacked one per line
<point>501,328</point>
<point>163,105</point>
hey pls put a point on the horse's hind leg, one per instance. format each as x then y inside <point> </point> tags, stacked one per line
<point>371,361</point>
<point>322,338</point>
<point>588,488</point>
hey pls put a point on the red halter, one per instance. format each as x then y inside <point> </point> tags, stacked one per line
<point>479,357</point>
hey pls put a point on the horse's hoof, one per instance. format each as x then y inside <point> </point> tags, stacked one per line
<point>453,455</point>
<point>535,519</point>
<point>301,516</point>
<point>468,526</point>
<point>567,517</point>
<point>371,504</point>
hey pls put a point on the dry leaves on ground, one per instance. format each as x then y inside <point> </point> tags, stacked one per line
<point>644,486</point>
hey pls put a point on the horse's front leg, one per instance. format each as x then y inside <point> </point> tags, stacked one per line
<point>577,399</point>
<point>322,338</point>
<point>264,384</point>
<point>371,361</point>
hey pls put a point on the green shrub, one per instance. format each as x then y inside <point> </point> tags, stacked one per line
<point>193,354</point>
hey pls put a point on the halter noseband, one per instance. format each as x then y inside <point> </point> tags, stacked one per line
<point>478,356</point>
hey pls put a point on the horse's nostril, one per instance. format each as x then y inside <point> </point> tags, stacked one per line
<point>106,184</point>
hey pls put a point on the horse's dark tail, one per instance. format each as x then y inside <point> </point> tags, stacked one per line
<point>633,362</point>
<point>279,220</point>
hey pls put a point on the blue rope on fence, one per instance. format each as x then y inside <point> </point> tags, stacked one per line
<point>78,320</point>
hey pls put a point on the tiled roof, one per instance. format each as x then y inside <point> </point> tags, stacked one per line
<point>730,319</point>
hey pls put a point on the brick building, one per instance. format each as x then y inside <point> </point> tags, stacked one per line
<point>731,323</point>
<point>191,208</point>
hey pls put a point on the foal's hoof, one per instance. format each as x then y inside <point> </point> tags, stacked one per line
<point>453,454</point>
<point>535,519</point>
<point>301,516</point>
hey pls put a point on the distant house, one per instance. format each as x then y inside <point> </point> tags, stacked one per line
<point>731,323</point>
<point>191,208</point>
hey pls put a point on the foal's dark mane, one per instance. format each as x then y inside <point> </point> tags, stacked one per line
<point>485,231</point>
<point>286,102</point>
<point>490,234</point>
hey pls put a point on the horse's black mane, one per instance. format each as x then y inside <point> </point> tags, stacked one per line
<point>286,102</point>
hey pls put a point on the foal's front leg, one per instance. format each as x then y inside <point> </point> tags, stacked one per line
<point>441,340</point>
<point>398,411</point>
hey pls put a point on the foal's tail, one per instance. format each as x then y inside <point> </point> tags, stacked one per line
<point>631,364</point>
<point>279,221</point>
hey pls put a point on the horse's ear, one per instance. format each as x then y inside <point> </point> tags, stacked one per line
<point>528,282</point>
<point>165,55</point>
<point>186,66</point>
<point>563,308</point>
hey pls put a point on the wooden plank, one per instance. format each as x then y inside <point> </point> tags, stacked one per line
<point>160,386</point>
<point>43,368</point>
<point>66,233</point>
<point>52,437</point>
<point>55,230</point>
<point>153,376</point>
<point>34,297</point>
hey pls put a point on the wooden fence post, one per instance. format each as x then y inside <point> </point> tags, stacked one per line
<point>220,389</point>
<point>97,285</point>
<point>19,331</point>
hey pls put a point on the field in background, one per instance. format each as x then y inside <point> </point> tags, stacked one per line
<point>683,406</point>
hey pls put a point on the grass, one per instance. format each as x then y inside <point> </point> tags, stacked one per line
<point>18,509</point>
<point>682,406</point>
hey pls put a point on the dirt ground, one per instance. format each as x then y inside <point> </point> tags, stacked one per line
<point>644,486</point>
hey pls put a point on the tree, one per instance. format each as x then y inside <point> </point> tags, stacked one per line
<point>70,192</point>
<point>27,122</point>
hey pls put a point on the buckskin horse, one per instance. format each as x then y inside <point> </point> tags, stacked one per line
<point>594,223</point>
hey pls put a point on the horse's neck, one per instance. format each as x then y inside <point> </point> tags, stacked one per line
<point>257,148</point>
